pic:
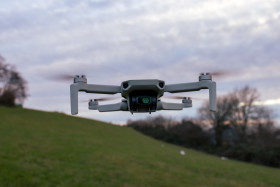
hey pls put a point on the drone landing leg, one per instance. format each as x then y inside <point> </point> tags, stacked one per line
<point>196,86</point>
<point>89,88</point>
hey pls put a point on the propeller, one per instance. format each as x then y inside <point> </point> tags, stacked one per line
<point>221,73</point>
<point>67,77</point>
<point>62,77</point>
<point>99,99</point>
<point>105,99</point>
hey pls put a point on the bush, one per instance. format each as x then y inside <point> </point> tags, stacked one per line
<point>7,99</point>
<point>253,153</point>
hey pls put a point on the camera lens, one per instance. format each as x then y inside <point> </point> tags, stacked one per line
<point>144,100</point>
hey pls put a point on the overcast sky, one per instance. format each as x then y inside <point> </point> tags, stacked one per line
<point>116,40</point>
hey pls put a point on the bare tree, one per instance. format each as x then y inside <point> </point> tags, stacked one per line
<point>13,88</point>
<point>237,109</point>
<point>245,111</point>
<point>220,118</point>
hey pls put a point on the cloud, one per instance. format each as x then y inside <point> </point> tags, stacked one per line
<point>112,41</point>
<point>268,102</point>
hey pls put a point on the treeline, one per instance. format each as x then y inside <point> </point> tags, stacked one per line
<point>185,133</point>
<point>241,129</point>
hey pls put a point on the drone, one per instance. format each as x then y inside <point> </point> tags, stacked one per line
<point>141,96</point>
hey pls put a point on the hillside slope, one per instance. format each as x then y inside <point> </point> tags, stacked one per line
<point>51,149</point>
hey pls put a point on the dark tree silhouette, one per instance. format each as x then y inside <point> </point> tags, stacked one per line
<point>220,118</point>
<point>13,88</point>
<point>246,111</point>
<point>237,109</point>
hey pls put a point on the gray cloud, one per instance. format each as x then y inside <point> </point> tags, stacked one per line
<point>112,41</point>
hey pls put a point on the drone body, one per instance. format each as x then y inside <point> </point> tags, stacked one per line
<point>141,95</point>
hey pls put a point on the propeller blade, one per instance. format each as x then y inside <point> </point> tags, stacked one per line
<point>62,77</point>
<point>85,101</point>
<point>99,99</point>
<point>105,99</point>
<point>174,97</point>
<point>66,77</point>
<point>222,73</point>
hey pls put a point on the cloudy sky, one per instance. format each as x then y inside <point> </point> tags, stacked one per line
<point>116,40</point>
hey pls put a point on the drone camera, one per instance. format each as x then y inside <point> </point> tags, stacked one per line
<point>143,101</point>
<point>142,95</point>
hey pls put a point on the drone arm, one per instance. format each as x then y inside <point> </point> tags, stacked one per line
<point>183,87</point>
<point>172,106</point>
<point>89,88</point>
<point>102,89</point>
<point>169,106</point>
<point>122,106</point>
<point>196,86</point>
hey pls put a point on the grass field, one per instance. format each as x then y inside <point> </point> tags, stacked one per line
<point>52,149</point>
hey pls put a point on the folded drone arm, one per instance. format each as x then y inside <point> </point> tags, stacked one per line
<point>172,106</point>
<point>89,88</point>
<point>196,86</point>
<point>122,106</point>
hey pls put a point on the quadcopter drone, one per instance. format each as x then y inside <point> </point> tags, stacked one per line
<point>140,96</point>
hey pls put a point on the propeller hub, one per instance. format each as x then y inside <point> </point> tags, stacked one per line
<point>81,79</point>
<point>205,77</point>
<point>187,100</point>
<point>93,105</point>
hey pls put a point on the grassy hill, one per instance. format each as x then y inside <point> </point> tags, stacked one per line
<point>51,149</point>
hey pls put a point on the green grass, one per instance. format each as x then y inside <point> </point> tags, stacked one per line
<point>52,149</point>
